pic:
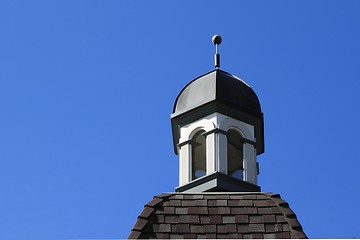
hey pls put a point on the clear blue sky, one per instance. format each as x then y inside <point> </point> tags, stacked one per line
<point>87,89</point>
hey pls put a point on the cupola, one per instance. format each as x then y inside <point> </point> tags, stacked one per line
<point>218,131</point>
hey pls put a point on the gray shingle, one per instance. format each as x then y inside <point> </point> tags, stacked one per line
<point>146,212</point>
<point>201,236</point>
<point>154,202</point>
<point>211,228</point>
<point>162,235</point>
<point>261,196</point>
<point>197,210</point>
<point>256,227</point>
<point>197,228</point>
<point>244,210</point>
<point>211,235</point>
<point>172,218</point>
<point>265,210</point>
<point>282,235</point>
<point>213,210</point>
<point>280,218</point>
<point>166,227</point>
<point>239,203</point>
<point>193,196</point>
<point>166,210</point>
<point>220,202</point>
<point>248,236</point>
<point>181,228</point>
<point>250,196</point>
<point>205,219</point>
<point>181,210</point>
<point>215,219</point>
<point>240,196</point>
<point>243,228</point>
<point>285,227</point>
<point>187,203</point>
<point>190,235</point>
<point>256,219</point>
<point>226,228</point>
<point>228,219</point>
<point>201,202</point>
<point>223,210</point>
<point>241,218</point>
<point>140,224</point>
<point>172,203</point>
<point>222,196</point>
<point>189,219</point>
<point>270,228</point>
<point>176,236</point>
<point>268,218</point>
<point>269,235</point>
<point>263,203</point>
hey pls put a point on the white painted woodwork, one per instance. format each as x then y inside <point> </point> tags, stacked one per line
<point>216,147</point>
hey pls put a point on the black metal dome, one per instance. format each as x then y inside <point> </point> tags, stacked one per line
<point>218,91</point>
<point>218,86</point>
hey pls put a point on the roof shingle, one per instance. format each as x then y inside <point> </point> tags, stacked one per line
<point>217,215</point>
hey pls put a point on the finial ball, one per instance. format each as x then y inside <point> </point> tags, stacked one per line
<point>216,39</point>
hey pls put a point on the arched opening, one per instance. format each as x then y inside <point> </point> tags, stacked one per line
<point>235,154</point>
<point>198,155</point>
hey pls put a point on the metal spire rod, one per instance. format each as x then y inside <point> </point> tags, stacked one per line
<point>217,40</point>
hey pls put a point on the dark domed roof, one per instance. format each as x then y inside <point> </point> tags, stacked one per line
<point>217,215</point>
<point>218,86</point>
<point>221,92</point>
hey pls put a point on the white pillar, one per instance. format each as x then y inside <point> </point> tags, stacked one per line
<point>184,164</point>
<point>210,153</point>
<point>222,153</point>
<point>250,171</point>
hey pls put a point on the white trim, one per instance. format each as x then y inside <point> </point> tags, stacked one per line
<point>249,156</point>
<point>189,131</point>
<point>216,146</point>
<point>246,130</point>
<point>184,164</point>
<point>185,156</point>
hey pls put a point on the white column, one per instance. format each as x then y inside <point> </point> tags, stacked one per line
<point>210,153</point>
<point>250,171</point>
<point>221,153</point>
<point>184,164</point>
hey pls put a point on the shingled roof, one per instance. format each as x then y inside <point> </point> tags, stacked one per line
<point>217,215</point>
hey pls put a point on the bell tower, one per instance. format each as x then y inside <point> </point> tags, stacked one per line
<point>218,131</point>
